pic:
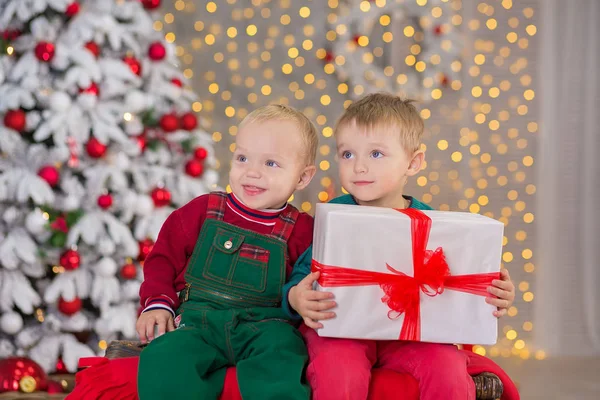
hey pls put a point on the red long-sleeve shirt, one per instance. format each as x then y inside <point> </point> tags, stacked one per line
<point>166,264</point>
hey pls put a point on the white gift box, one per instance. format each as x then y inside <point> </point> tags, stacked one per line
<point>370,238</point>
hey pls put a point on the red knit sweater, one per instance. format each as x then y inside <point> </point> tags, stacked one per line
<point>166,264</point>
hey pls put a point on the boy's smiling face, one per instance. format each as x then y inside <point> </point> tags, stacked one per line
<point>374,165</point>
<point>268,164</point>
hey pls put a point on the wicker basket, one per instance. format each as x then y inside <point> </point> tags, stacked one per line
<point>488,386</point>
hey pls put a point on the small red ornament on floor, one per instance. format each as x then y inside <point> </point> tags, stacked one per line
<point>194,168</point>
<point>151,4</point>
<point>105,201</point>
<point>134,65</point>
<point>161,197</point>
<point>189,121</point>
<point>70,260</point>
<point>146,246</point>
<point>15,119</point>
<point>95,149</point>
<point>44,51</point>
<point>92,89</point>
<point>169,123</point>
<point>20,374</point>
<point>50,174</point>
<point>157,51</point>
<point>72,9</point>
<point>93,48</point>
<point>200,153</point>
<point>129,271</point>
<point>69,307</point>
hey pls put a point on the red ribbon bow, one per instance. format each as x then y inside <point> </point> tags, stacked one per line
<point>402,292</point>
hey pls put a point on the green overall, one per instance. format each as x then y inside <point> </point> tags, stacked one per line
<point>231,315</point>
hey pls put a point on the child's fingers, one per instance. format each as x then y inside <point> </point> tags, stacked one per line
<point>320,305</point>
<point>310,279</point>
<point>506,285</point>
<point>504,275</point>
<point>141,331</point>
<point>502,294</point>
<point>170,325</point>
<point>500,303</point>
<point>150,329</point>
<point>315,295</point>
<point>162,326</point>
<point>312,324</point>
<point>318,316</point>
<point>500,313</point>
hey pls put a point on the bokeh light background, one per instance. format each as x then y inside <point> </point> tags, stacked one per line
<point>480,130</point>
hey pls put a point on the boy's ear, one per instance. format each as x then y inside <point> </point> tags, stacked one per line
<point>415,163</point>
<point>306,176</point>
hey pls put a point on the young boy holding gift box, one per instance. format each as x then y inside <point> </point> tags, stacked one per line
<point>378,145</point>
<point>228,255</point>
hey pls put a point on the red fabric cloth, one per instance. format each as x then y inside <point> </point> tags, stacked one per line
<point>165,266</point>
<point>117,380</point>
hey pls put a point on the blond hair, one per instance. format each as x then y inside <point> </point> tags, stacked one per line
<point>285,113</point>
<point>383,110</point>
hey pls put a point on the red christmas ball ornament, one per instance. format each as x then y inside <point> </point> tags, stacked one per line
<point>95,149</point>
<point>10,34</point>
<point>134,65</point>
<point>141,142</point>
<point>328,57</point>
<point>444,81</point>
<point>157,51</point>
<point>93,48</point>
<point>161,197</point>
<point>189,121</point>
<point>169,123</point>
<point>69,308</point>
<point>356,38</point>
<point>15,119</point>
<point>145,246</point>
<point>72,9</point>
<point>92,89</point>
<point>177,82</point>
<point>194,168</point>
<point>438,30</point>
<point>151,4</point>
<point>50,174</point>
<point>105,201</point>
<point>70,260</point>
<point>55,388</point>
<point>129,271</point>
<point>200,153</point>
<point>60,367</point>
<point>20,374</point>
<point>44,51</point>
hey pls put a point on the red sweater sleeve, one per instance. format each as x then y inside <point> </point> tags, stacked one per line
<point>300,239</point>
<point>164,269</point>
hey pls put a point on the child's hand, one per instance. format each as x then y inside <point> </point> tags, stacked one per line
<point>309,303</point>
<point>146,321</point>
<point>504,290</point>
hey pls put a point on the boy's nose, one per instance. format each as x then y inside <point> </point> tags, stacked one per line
<point>360,167</point>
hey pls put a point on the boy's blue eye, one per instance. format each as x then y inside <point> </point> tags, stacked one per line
<point>242,158</point>
<point>376,154</point>
<point>271,163</point>
<point>346,155</point>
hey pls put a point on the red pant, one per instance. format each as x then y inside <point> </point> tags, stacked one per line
<point>341,368</point>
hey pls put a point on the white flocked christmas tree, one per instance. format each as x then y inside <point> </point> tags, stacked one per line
<point>98,145</point>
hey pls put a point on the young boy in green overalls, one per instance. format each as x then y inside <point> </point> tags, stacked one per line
<point>229,256</point>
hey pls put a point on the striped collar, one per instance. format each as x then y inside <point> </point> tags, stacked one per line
<point>264,217</point>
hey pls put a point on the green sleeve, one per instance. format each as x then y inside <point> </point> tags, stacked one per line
<point>300,271</point>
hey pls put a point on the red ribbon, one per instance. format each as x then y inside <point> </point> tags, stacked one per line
<point>402,292</point>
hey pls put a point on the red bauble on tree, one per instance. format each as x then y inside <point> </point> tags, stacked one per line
<point>189,121</point>
<point>161,197</point>
<point>21,374</point>
<point>177,82</point>
<point>134,65</point>
<point>105,201</point>
<point>93,48</point>
<point>194,168</point>
<point>444,81</point>
<point>438,30</point>
<point>70,260</point>
<point>72,9</point>
<point>200,153</point>
<point>157,51</point>
<point>92,89</point>
<point>95,149</point>
<point>169,122</point>
<point>15,119</point>
<point>50,174</point>
<point>129,271</point>
<point>141,142</point>
<point>151,4</point>
<point>44,51</point>
<point>328,57</point>
<point>69,307</point>
<point>146,246</point>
